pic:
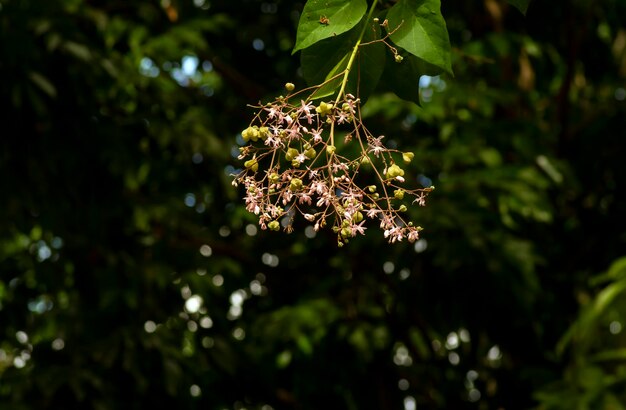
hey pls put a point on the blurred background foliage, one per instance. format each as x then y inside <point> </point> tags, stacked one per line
<point>132,277</point>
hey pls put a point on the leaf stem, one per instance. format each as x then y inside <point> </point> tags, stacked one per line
<point>354,53</point>
<point>346,72</point>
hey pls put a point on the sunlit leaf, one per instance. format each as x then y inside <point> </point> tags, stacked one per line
<point>322,19</point>
<point>418,27</point>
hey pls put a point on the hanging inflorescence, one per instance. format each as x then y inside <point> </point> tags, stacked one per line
<point>292,166</point>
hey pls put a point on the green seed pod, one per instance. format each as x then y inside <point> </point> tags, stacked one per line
<point>346,233</point>
<point>394,171</point>
<point>274,225</point>
<point>250,133</point>
<point>274,178</point>
<point>310,153</point>
<point>295,184</point>
<point>252,164</point>
<point>264,132</point>
<point>324,109</point>
<point>357,217</point>
<point>291,154</point>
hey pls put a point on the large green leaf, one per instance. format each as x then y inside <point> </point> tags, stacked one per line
<point>418,27</point>
<point>521,5</point>
<point>323,19</point>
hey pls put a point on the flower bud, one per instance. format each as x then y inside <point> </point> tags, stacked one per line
<point>310,153</point>
<point>365,160</point>
<point>402,208</point>
<point>357,217</point>
<point>407,157</point>
<point>398,58</point>
<point>371,188</point>
<point>330,149</point>
<point>289,87</point>
<point>398,193</point>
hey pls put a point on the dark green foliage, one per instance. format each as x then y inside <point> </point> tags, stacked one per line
<point>116,210</point>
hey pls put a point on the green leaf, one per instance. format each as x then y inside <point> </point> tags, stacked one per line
<point>330,57</point>
<point>368,67</point>
<point>323,19</point>
<point>332,80</point>
<point>403,78</point>
<point>418,27</point>
<point>521,5</point>
<point>327,59</point>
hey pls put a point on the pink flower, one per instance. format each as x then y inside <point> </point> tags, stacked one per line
<point>420,200</point>
<point>306,109</point>
<point>376,145</point>
<point>372,212</point>
<point>317,136</point>
<point>304,198</point>
<point>300,158</point>
<point>413,235</point>
<point>358,228</point>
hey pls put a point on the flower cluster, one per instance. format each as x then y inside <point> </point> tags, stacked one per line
<point>292,165</point>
